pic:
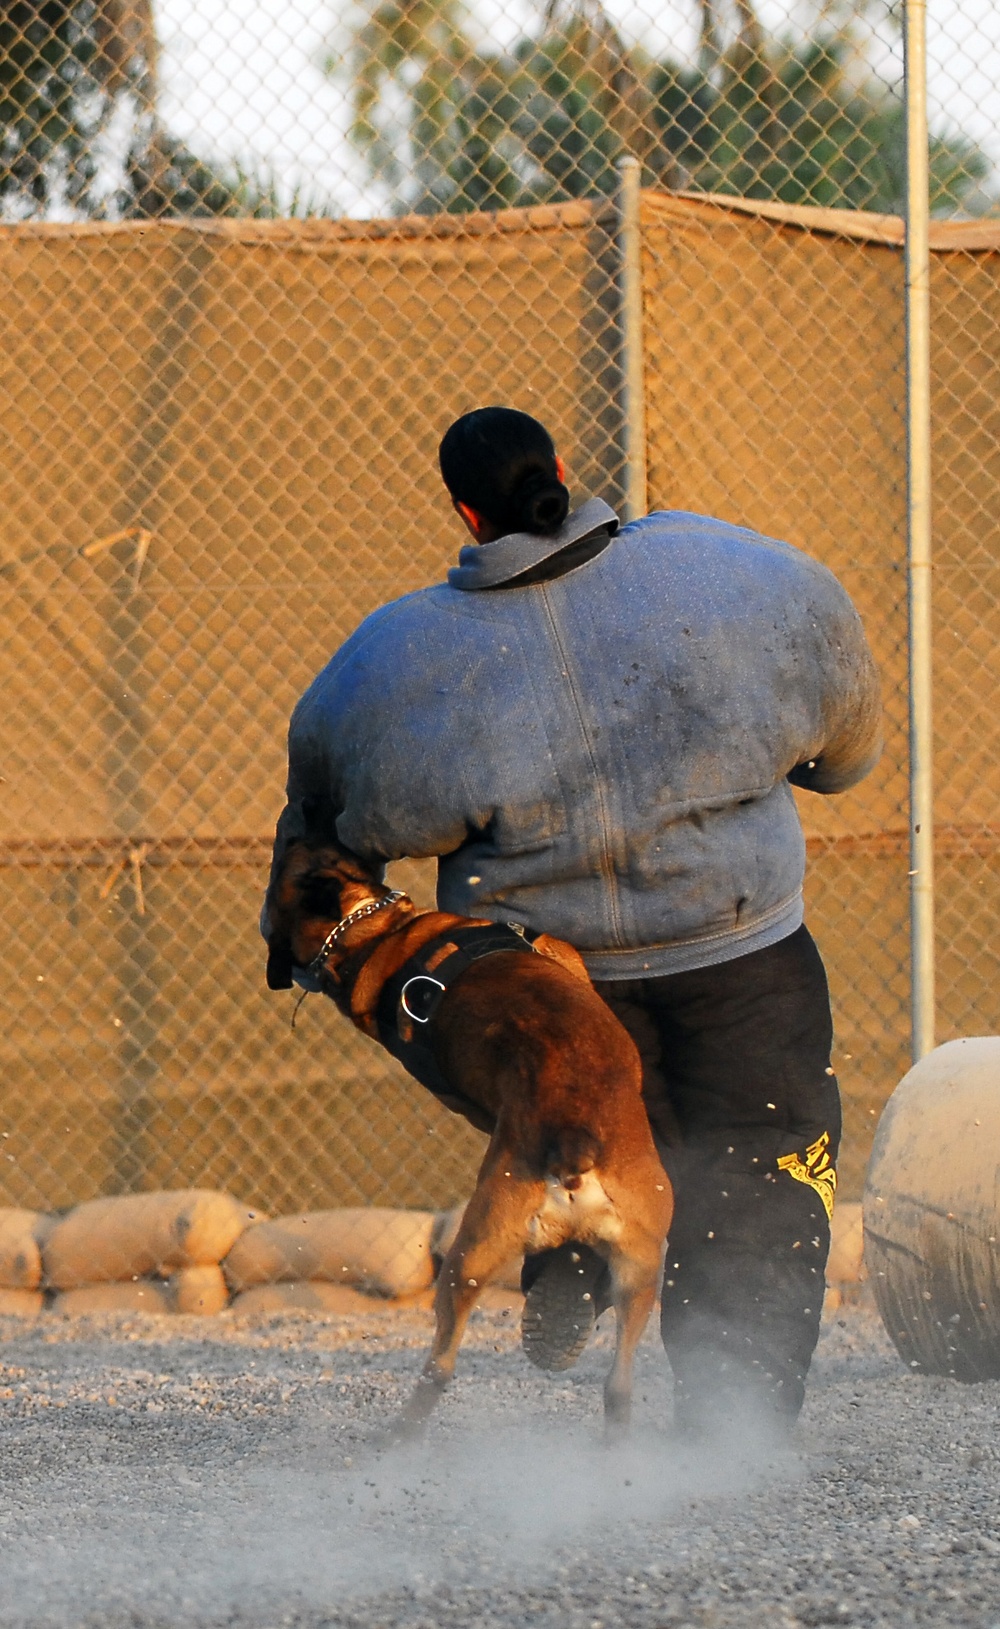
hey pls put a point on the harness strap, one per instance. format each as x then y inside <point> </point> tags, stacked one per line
<point>410,999</point>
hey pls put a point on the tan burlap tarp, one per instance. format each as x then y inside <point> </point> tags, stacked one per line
<point>265,400</point>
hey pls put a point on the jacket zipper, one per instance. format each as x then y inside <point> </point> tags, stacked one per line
<point>607,862</point>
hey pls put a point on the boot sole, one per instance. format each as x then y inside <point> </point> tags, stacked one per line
<point>560,1310</point>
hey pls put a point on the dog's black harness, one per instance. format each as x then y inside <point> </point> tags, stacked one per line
<point>413,995</point>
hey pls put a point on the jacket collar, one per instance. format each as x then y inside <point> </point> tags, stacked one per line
<point>489,565</point>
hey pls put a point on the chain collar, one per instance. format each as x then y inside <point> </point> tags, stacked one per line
<point>318,963</point>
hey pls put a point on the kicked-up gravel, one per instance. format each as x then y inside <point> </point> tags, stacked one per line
<point>168,1472</point>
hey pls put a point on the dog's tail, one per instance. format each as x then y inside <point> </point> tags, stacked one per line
<point>570,1152</point>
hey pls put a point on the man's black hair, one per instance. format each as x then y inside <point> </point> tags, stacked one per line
<point>502,463</point>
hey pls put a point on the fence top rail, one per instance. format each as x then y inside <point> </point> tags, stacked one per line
<point>982,236</point>
<point>863,226</point>
<point>317,233</point>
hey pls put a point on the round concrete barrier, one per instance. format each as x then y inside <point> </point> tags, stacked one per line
<point>932,1212</point>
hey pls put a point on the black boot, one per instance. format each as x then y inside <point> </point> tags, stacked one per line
<point>565,1291</point>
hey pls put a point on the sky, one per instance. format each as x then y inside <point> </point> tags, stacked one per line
<point>243,79</point>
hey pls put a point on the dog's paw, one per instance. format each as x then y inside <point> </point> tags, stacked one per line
<point>617,1434</point>
<point>404,1431</point>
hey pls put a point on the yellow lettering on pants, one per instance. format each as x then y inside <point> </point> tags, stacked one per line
<point>817,1170</point>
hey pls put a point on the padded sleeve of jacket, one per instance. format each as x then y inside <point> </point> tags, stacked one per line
<point>306,797</point>
<point>848,741</point>
<point>334,790</point>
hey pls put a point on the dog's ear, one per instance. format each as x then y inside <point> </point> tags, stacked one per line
<point>279,964</point>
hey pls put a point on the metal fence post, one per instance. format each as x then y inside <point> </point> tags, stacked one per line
<point>918,464</point>
<point>633,384</point>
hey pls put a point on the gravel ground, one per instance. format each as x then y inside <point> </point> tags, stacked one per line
<point>212,1472</point>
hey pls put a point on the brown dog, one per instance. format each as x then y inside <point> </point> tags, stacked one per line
<point>525,1040</point>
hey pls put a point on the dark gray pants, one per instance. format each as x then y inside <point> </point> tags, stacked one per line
<point>746,1113</point>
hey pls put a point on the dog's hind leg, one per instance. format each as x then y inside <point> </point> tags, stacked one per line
<point>635,1284</point>
<point>494,1228</point>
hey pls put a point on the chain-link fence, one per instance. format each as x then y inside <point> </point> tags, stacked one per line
<point>256,259</point>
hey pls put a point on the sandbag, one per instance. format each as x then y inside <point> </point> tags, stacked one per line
<point>316,1296</point>
<point>198,1290</point>
<point>20,1303</point>
<point>138,1235</point>
<point>143,1295</point>
<point>845,1264</point>
<point>20,1252</point>
<point>446,1225</point>
<point>932,1212</point>
<point>386,1252</point>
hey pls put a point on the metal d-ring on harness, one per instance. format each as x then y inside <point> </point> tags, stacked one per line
<point>431,985</point>
<point>359,913</point>
<point>413,995</point>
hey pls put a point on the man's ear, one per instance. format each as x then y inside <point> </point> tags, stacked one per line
<point>279,964</point>
<point>560,469</point>
<point>473,519</point>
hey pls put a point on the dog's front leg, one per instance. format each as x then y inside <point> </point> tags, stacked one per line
<point>494,1229</point>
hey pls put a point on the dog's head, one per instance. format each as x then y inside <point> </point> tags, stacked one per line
<point>316,885</point>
